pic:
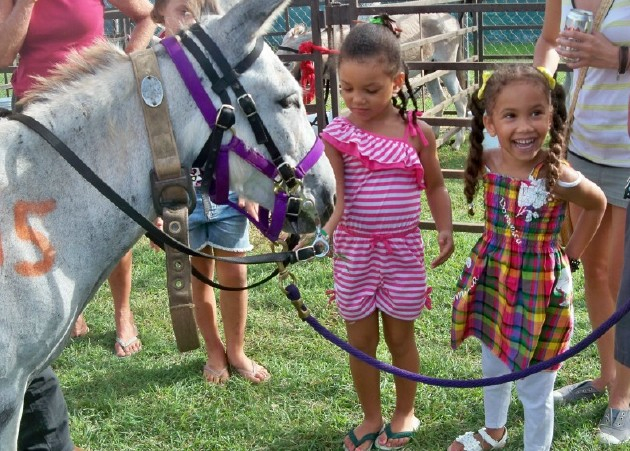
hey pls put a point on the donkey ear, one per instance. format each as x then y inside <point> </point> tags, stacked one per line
<point>251,18</point>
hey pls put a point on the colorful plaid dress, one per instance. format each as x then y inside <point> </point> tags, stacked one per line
<point>515,293</point>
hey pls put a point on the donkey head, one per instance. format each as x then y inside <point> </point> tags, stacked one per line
<point>278,101</point>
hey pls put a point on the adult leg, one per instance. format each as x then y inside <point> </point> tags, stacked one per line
<point>44,424</point>
<point>620,394</point>
<point>400,338</point>
<point>614,427</point>
<point>364,335</point>
<point>215,370</point>
<point>536,394</point>
<point>602,263</point>
<point>127,342</point>
<point>496,402</point>
<point>234,316</point>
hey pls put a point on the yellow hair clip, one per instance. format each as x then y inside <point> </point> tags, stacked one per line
<point>552,81</point>
<point>484,80</point>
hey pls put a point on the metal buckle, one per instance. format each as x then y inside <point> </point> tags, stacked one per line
<point>291,210</point>
<point>321,242</point>
<point>305,254</point>
<point>225,117</point>
<point>247,104</point>
<point>287,172</point>
<point>297,187</point>
<point>184,182</point>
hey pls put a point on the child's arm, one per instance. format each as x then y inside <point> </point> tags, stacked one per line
<point>591,198</point>
<point>336,161</point>
<point>140,12</point>
<point>437,196</point>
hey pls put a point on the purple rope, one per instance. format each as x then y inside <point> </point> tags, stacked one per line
<point>292,292</point>
<point>456,383</point>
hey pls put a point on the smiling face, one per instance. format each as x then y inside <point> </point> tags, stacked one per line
<point>520,117</point>
<point>367,88</point>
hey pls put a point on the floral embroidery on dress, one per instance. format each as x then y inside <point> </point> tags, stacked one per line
<point>532,193</point>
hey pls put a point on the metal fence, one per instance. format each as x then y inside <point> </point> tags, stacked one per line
<point>491,33</point>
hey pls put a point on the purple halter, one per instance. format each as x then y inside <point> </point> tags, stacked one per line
<point>269,226</point>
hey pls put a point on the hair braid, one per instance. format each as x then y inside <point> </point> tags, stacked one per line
<point>410,92</point>
<point>474,163</point>
<point>557,151</point>
<point>400,102</point>
<point>406,98</point>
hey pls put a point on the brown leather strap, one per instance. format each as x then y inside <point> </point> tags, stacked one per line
<point>179,281</point>
<point>156,117</point>
<point>158,123</point>
<point>168,167</point>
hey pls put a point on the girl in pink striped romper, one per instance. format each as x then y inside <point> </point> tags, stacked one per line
<point>382,157</point>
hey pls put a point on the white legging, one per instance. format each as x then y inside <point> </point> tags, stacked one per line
<point>535,393</point>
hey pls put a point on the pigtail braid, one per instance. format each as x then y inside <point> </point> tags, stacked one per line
<point>474,162</point>
<point>557,151</point>
<point>410,91</point>
<point>405,98</point>
<point>401,104</point>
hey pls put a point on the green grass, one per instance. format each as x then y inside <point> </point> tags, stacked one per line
<point>158,400</point>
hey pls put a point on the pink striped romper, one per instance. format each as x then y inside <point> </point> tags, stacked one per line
<point>379,232</point>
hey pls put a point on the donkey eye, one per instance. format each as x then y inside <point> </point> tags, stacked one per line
<point>290,101</point>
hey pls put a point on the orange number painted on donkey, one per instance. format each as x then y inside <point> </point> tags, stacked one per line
<point>24,231</point>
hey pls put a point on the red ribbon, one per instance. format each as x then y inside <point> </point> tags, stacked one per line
<point>307,69</point>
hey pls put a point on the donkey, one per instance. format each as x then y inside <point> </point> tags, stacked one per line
<point>59,237</point>
<point>433,24</point>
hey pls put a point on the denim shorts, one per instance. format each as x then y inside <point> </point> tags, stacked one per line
<point>610,179</point>
<point>218,226</point>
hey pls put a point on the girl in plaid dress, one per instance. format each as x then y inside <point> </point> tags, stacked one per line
<point>382,157</point>
<point>515,293</point>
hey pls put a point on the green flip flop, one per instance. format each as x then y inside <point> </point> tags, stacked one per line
<point>394,435</point>
<point>358,442</point>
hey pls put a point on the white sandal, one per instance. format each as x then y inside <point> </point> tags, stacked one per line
<point>472,444</point>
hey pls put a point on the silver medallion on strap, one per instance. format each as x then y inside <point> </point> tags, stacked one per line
<point>152,91</point>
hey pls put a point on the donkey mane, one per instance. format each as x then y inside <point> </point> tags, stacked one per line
<point>80,63</point>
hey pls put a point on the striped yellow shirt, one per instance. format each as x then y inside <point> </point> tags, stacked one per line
<point>600,131</point>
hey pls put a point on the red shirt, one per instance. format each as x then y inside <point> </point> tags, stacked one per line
<point>56,27</point>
